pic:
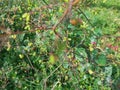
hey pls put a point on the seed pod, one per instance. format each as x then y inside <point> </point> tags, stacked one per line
<point>76,21</point>
<point>73,22</point>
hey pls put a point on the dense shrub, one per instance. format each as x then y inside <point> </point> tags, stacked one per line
<point>45,45</point>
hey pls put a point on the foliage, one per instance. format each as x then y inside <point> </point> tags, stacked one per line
<point>82,53</point>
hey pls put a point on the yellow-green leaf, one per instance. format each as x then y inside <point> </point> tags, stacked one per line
<point>90,71</point>
<point>52,59</point>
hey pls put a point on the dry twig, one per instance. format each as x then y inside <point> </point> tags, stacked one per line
<point>66,15</point>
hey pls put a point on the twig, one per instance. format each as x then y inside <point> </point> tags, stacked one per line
<point>29,61</point>
<point>79,10</point>
<point>45,80</point>
<point>22,32</point>
<point>81,41</point>
<point>53,88</point>
<point>66,14</point>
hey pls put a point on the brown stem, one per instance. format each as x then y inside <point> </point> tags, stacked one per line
<point>66,15</point>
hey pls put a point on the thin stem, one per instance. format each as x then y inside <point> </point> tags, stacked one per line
<point>79,10</point>
<point>29,61</point>
<point>45,80</point>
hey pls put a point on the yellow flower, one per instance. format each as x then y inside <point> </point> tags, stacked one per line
<point>21,56</point>
<point>30,44</point>
<point>90,71</point>
<point>52,58</point>
<point>65,38</point>
<point>8,46</point>
<point>14,36</point>
<point>102,41</point>
<point>91,47</point>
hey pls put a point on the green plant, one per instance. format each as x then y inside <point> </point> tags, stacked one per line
<point>53,45</point>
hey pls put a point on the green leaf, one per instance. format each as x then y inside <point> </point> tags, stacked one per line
<point>21,37</point>
<point>60,47</point>
<point>52,59</point>
<point>66,0</point>
<point>24,15</point>
<point>101,60</point>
